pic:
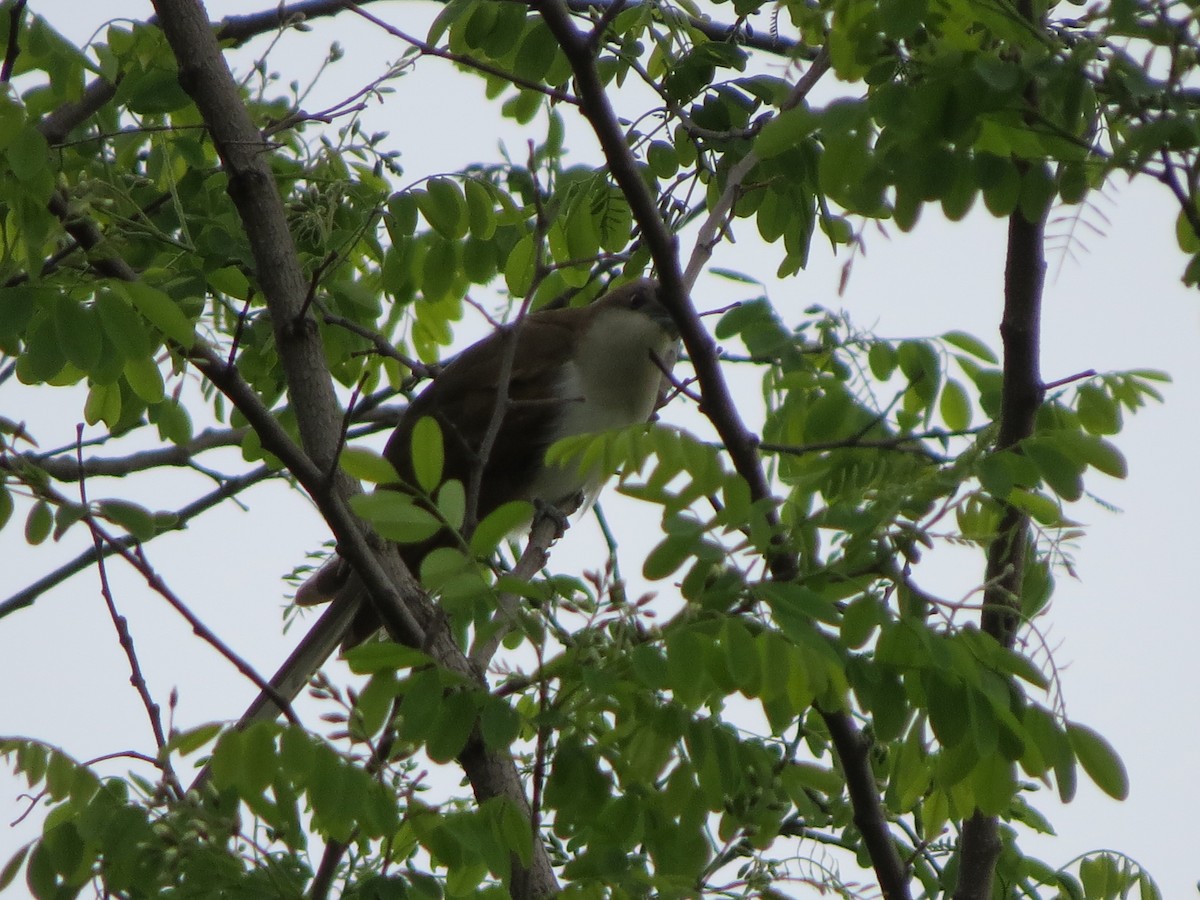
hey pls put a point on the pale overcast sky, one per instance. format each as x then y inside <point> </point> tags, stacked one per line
<point>1123,634</point>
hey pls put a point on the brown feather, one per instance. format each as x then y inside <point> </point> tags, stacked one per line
<point>463,398</point>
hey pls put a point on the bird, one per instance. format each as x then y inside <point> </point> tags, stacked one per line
<point>572,371</point>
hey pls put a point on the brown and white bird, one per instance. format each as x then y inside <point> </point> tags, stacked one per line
<point>573,371</point>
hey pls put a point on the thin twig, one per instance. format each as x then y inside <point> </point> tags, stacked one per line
<point>125,639</point>
<point>469,61</point>
<point>179,520</point>
<point>15,14</point>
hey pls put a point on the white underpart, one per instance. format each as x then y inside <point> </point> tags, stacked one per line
<point>611,383</point>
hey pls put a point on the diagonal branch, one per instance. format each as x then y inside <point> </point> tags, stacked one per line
<point>232,30</point>
<point>718,403</point>
<point>124,637</point>
<point>395,597</point>
<point>181,517</point>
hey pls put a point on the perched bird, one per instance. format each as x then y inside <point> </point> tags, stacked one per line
<point>573,371</point>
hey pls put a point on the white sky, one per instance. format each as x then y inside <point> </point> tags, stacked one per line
<point>1124,633</point>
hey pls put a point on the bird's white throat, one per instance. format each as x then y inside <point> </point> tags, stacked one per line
<point>611,382</point>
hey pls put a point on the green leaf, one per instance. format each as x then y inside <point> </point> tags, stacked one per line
<point>1099,877</point>
<point>38,523</point>
<point>881,357</point>
<point>103,404</point>
<point>1099,760</point>
<point>135,519</point>
<point>1098,411</point>
<point>65,516</point>
<point>499,723</point>
<point>123,326</point>
<point>159,309</point>
<point>444,207</point>
<point>428,453</point>
<point>663,161</point>
<point>1038,505</point>
<point>12,118</point>
<point>421,705</point>
<point>229,280</point>
<point>373,704</point>
<point>499,524</point>
<point>452,503</point>
<point>188,742</point>
<point>970,344</point>
<point>1063,475</point>
<point>671,553</point>
<point>12,867</point>
<point>143,376</point>
<point>257,762</point>
<point>396,517</point>
<point>784,131</point>
<point>402,215</point>
<point>1147,888</point>
<point>454,725</point>
<point>481,216</point>
<point>518,270</point>
<point>1093,451</point>
<point>439,268</point>
<point>955,406</point>
<point>6,506</point>
<point>378,656</point>
<point>79,335</point>
<point>994,782</point>
<point>28,154</point>
<point>365,464</point>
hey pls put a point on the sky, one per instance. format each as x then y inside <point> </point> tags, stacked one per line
<point>1122,632</point>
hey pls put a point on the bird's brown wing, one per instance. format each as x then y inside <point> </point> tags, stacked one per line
<point>464,397</point>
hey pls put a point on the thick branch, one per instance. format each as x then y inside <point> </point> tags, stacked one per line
<point>702,350</point>
<point>853,752</point>
<point>245,157</point>
<point>718,402</point>
<point>1021,396</point>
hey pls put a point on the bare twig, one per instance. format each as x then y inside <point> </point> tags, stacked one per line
<point>180,518</point>
<point>470,61</point>
<point>125,639</point>
<point>545,531</point>
<point>131,553</point>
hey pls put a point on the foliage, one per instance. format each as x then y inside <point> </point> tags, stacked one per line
<point>695,752</point>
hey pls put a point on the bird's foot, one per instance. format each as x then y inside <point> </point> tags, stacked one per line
<point>558,513</point>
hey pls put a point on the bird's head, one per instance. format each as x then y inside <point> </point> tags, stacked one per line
<point>642,298</point>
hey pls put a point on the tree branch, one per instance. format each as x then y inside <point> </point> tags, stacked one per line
<point>853,753</point>
<point>228,489</point>
<point>718,402</point>
<point>125,638</point>
<point>126,550</point>
<point>1021,396</point>
<point>701,348</point>
<point>245,158</point>
<point>233,30</point>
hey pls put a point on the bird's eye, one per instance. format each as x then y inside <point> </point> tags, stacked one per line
<point>637,301</point>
